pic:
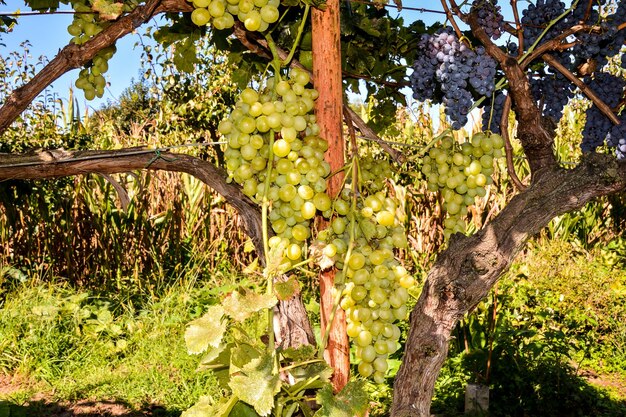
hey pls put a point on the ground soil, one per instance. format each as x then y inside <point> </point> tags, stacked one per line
<point>42,405</point>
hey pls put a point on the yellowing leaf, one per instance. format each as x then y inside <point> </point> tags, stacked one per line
<point>211,358</point>
<point>248,246</point>
<point>257,384</point>
<point>316,250</point>
<point>241,306</point>
<point>253,267</point>
<point>205,408</point>
<point>107,10</point>
<point>206,331</point>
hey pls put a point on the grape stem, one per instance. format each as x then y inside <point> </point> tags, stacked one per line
<point>339,292</point>
<point>289,57</point>
<point>604,108</point>
<point>299,364</point>
<point>508,149</point>
<point>450,15</point>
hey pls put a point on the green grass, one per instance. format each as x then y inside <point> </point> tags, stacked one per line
<point>71,345</point>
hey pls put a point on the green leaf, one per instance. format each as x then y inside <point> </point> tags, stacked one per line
<point>185,54</point>
<point>42,5</point>
<point>205,408</point>
<point>107,9</point>
<point>241,305</point>
<point>318,4</point>
<point>252,268</point>
<point>242,409</point>
<point>316,369</point>
<point>257,384</point>
<point>249,247</point>
<point>211,358</point>
<point>351,401</point>
<point>300,354</point>
<point>241,355</point>
<point>205,331</point>
<point>287,289</point>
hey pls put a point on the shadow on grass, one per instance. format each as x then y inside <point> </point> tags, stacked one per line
<point>539,387</point>
<point>44,408</point>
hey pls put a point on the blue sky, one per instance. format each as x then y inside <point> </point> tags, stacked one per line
<point>47,34</point>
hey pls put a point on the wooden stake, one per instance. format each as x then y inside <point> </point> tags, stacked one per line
<point>327,73</point>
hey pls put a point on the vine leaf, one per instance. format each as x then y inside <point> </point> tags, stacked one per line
<point>212,356</point>
<point>316,250</point>
<point>205,331</point>
<point>287,289</point>
<point>318,4</point>
<point>241,305</point>
<point>300,353</point>
<point>185,54</point>
<point>202,408</point>
<point>42,5</point>
<point>257,384</point>
<point>205,407</point>
<point>351,401</point>
<point>318,370</point>
<point>107,10</point>
<point>242,409</point>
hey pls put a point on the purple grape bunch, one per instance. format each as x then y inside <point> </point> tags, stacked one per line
<point>536,17</point>
<point>598,127</point>
<point>489,17</point>
<point>483,72</point>
<point>446,69</point>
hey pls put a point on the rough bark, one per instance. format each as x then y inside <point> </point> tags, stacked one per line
<point>295,328</point>
<point>328,109</point>
<point>465,272</point>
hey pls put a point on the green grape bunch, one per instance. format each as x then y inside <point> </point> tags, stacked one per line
<point>278,125</point>
<point>361,240</point>
<point>86,24</point>
<point>256,15</point>
<point>461,172</point>
<point>91,79</point>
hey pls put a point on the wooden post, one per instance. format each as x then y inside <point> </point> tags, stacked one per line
<point>327,74</point>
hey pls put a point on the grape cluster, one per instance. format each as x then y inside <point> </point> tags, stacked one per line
<point>256,15</point>
<point>461,172</point>
<point>597,125</point>
<point>536,17</point>
<point>489,17</point>
<point>280,128</point>
<point>612,39</point>
<point>484,72</point>
<point>617,138</point>
<point>447,68</point>
<point>361,240</point>
<point>85,24</point>
<point>90,79</point>
<point>553,92</point>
